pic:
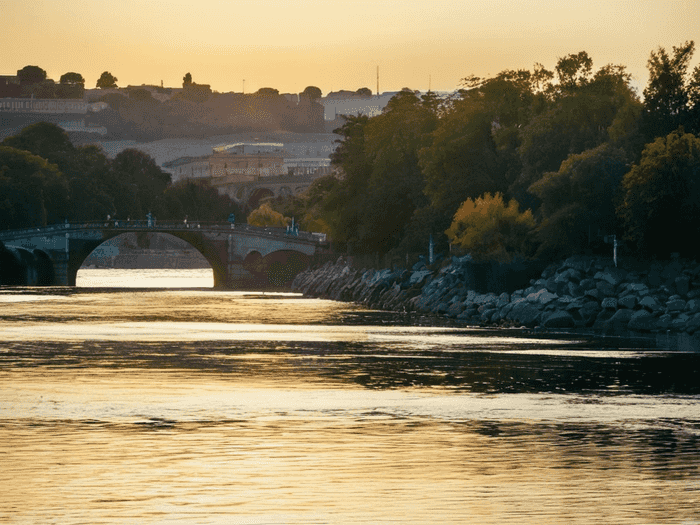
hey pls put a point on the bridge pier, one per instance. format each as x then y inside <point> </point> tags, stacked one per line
<point>60,261</point>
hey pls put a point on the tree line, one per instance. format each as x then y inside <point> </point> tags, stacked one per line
<point>45,179</point>
<point>527,163</point>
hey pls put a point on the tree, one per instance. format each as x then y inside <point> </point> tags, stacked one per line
<point>187,80</point>
<point>672,96</point>
<point>45,140</point>
<point>32,191</point>
<point>264,215</point>
<point>396,183</point>
<point>267,92</point>
<point>364,92</point>
<point>137,171</point>
<point>31,75</point>
<point>72,78</point>
<point>661,206</point>
<point>579,201</point>
<point>312,92</point>
<point>106,81</point>
<point>490,230</point>
<point>579,116</point>
<point>196,199</point>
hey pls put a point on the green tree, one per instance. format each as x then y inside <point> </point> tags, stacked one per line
<point>344,203</point>
<point>672,96</point>
<point>142,181</point>
<point>578,117</point>
<point>106,81</point>
<point>267,92</point>
<point>197,200</point>
<point>395,188</point>
<point>579,201</point>
<point>661,205</point>
<point>31,75</point>
<point>187,80</point>
<point>490,230</point>
<point>364,92</point>
<point>462,160</point>
<point>72,78</point>
<point>46,140</point>
<point>32,191</point>
<point>312,92</point>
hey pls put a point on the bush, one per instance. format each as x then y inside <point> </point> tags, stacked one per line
<point>264,215</point>
<point>490,230</point>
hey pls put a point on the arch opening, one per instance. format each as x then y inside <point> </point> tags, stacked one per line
<point>21,267</point>
<point>145,260</point>
<point>257,196</point>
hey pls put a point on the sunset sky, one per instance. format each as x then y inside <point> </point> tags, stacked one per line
<point>332,44</point>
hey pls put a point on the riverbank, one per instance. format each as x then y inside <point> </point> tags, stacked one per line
<point>581,293</point>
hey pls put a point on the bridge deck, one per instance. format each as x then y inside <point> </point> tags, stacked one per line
<point>165,227</point>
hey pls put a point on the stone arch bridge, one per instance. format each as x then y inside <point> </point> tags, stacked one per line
<point>250,193</point>
<point>240,256</point>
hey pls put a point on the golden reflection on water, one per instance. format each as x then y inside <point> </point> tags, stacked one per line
<point>192,406</point>
<point>120,451</point>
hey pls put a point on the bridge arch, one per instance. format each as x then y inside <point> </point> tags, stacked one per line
<point>258,195</point>
<point>144,250</point>
<point>229,250</point>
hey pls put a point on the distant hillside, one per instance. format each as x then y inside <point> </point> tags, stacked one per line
<point>144,118</point>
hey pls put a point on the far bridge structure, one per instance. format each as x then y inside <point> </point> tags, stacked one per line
<point>241,256</point>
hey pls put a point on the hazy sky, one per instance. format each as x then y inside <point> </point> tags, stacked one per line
<point>332,44</point>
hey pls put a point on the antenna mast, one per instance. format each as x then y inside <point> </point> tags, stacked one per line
<point>377,80</point>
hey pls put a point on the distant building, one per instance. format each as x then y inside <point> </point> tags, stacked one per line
<point>9,86</point>
<point>335,104</point>
<point>240,162</point>
<point>37,105</point>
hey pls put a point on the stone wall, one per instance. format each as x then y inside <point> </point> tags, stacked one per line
<point>580,293</point>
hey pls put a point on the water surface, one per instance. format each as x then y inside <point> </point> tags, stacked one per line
<point>192,405</point>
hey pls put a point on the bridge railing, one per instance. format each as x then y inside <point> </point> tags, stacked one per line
<point>164,226</point>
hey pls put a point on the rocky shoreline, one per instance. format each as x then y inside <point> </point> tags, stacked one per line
<point>582,293</point>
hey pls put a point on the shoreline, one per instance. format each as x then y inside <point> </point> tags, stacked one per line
<point>583,295</point>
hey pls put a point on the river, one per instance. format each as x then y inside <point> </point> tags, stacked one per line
<point>171,402</point>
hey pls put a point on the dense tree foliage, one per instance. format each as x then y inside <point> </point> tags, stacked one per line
<point>574,152</point>
<point>567,144</point>
<point>661,207</point>
<point>32,191</point>
<point>44,179</point>
<point>72,78</point>
<point>491,230</point>
<point>312,92</point>
<point>31,75</point>
<point>107,80</point>
<point>672,97</point>
<point>264,215</point>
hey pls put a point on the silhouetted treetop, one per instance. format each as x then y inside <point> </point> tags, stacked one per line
<point>72,78</point>
<point>31,75</point>
<point>106,81</point>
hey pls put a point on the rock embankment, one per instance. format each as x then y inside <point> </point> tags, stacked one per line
<point>579,293</point>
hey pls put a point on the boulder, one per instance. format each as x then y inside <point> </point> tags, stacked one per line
<point>559,319</point>
<point>609,303</point>
<point>628,301</point>
<point>619,322</point>
<point>649,303</point>
<point>675,304</point>
<point>693,324</point>
<point>542,297</point>
<point>525,313</point>
<point>642,321</point>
